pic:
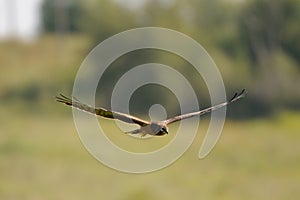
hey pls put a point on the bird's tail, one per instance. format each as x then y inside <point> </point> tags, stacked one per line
<point>137,131</point>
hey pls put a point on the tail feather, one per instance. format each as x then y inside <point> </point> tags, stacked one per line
<point>136,131</point>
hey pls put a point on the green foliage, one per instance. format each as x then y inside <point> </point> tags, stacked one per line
<point>61,16</point>
<point>102,19</point>
<point>255,44</point>
<point>41,157</point>
<point>32,74</point>
<point>265,26</point>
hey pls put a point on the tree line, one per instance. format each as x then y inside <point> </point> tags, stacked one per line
<point>256,44</point>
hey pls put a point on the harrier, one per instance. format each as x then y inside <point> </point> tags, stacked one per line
<point>156,128</point>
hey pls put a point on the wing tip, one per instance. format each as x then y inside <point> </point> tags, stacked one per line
<point>238,95</point>
<point>63,99</point>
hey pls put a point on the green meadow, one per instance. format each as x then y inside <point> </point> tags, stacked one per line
<point>42,157</point>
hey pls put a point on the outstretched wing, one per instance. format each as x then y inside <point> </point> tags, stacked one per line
<point>235,97</point>
<point>101,111</point>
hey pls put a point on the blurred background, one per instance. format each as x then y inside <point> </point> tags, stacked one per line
<point>254,43</point>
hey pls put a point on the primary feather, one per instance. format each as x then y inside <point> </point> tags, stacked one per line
<point>101,111</point>
<point>151,128</point>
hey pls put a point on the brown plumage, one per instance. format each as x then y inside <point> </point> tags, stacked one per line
<point>146,127</point>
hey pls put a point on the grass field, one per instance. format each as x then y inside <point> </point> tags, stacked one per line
<point>42,157</point>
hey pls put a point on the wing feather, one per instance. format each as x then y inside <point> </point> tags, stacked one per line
<point>101,111</point>
<point>235,97</point>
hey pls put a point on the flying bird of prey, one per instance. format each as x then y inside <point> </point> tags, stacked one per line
<point>156,128</point>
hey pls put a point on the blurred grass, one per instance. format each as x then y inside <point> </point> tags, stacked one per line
<point>41,156</point>
<point>45,64</point>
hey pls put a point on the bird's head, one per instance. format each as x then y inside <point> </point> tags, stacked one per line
<point>159,128</point>
<point>164,130</point>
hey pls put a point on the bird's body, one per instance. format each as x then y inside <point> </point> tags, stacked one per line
<point>156,128</point>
